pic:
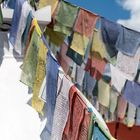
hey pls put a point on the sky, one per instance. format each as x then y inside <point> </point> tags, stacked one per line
<point>110,9</point>
<point>125,12</point>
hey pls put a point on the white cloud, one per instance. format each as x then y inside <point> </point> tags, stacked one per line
<point>134,7</point>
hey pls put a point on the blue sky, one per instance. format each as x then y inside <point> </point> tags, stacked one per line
<point>106,8</point>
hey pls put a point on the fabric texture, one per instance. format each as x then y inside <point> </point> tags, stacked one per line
<point>51,91</point>
<point>117,79</point>
<point>79,43</point>
<point>132,93</point>
<point>52,3</point>
<point>97,44</point>
<point>1,16</point>
<point>130,120</point>
<point>88,50</point>
<point>121,108</point>
<point>15,21</point>
<point>64,17</point>
<point>103,93</point>
<point>138,117</point>
<point>85,23</point>
<point>79,118</point>
<point>42,91</point>
<point>80,72</point>
<point>26,8</point>
<point>104,112</point>
<point>29,35</point>
<point>137,78</point>
<point>38,104</point>
<point>61,110</point>
<point>128,41</point>
<point>30,61</point>
<point>110,32</point>
<point>27,29</point>
<point>113,101</point>
<point>73,73</point>
<point>98,134</point>
<point>65,20</point>
<point>107,73</point>
<point>128,65</point>
<point>56,38</point>
<point>84,130</point>
<point>96,66</point>
<point>59,27</point>
<point>89,84</point>
<point>11,4</point>
<point>63,59</point>
<point>34,4</point>
<point>90,132</point>
<point>76,57</point>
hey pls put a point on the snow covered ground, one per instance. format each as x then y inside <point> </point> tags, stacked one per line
<point>18,121</point>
